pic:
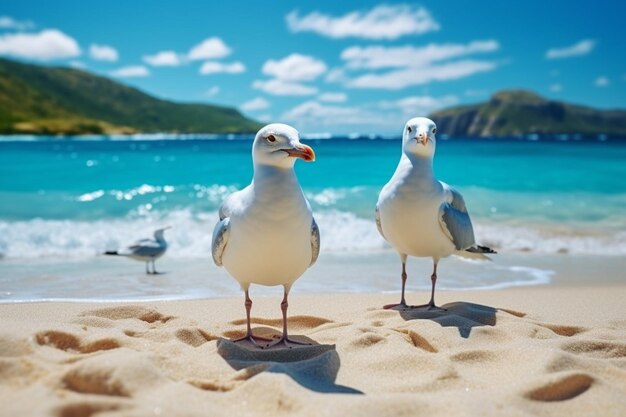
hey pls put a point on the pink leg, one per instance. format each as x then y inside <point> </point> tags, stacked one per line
<point>249,336</point>
<point>402,302</point>
<point>431,304</point>
<point>285,337</point>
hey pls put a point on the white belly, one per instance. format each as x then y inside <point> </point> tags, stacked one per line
<point>410,223</point>
<point>268,251</point>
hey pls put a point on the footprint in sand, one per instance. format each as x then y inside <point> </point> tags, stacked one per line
<point>70,343</point>
<point>87,408</point>
<point>120,373</point>
<point>194,337</point>
<point>563,330</point>
<point>597,349</point>
<point>564,388</point>
<point>148,315</point>
<point>418,340</point>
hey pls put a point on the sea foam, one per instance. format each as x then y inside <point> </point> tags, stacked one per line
<point>341,231</point>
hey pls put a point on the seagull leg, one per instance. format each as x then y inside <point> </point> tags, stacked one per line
<point>148,267</point>
<point>154,271</point>
<point>404,276</point>
<point>285,337</point>
<point>433,278</point>
<point>249,335</point>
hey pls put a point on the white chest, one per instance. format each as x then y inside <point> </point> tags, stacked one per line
<point>409,214</point>
<point>270,239</point>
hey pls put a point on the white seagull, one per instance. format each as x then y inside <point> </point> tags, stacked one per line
<point>419,215</point>
<point>146,250</point>
<point>266,234</point>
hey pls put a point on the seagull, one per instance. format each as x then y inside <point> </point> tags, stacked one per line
<point>421,216</point>
<point>147,250</point>
<point>266,233</point>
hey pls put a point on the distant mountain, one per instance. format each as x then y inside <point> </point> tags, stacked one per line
<point>37,99</point>
<point>516,112</point>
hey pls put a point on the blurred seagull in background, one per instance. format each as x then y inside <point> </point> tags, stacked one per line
<point>147,250</point>
<point>266,234</point>
<point>421,216</point>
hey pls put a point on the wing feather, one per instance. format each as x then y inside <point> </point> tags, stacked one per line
<point>220,240</point>
<point>315,242</point>
<point>455,220</point>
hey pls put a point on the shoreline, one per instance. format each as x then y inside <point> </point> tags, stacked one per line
<point>87,279</point>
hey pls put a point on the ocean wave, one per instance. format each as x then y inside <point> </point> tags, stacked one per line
<point>341,231</point>
<point>553,239</point>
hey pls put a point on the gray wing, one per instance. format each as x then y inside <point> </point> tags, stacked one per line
<point>378,224</point>
<point>455,220</point>
<point>315,242</point>
<point>147,248</point>
<point>220,240</point>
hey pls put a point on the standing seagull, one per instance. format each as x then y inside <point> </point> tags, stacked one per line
<point>147,250</point>
<point>266,234</point>
<point>419,215</point>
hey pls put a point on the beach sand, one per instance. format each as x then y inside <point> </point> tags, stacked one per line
<point>550,351</point>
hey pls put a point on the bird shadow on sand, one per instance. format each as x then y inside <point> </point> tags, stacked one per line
<point>462,315</point>
<point>314,366</point>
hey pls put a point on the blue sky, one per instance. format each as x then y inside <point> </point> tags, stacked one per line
<point>341,66</point>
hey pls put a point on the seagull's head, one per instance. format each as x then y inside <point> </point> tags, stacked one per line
<point>419,137</point>
<point>158,233</point>
<point>279,145</point>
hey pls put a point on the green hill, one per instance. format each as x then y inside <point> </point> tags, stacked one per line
<point>37,99</point>
<point>516,112</point>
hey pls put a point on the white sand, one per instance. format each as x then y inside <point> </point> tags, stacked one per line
<point>539,351</point>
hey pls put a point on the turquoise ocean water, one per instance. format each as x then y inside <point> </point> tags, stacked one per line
<point>71,199</point>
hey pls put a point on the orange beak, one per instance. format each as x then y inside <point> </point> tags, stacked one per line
<point>301,151</point>
<point>422,138</point>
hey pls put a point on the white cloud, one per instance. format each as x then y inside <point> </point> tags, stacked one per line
<point>381,22</point>
<point>258,103</point>
<point>164,59</point>
<point>214,67</point>
<point>415,105</point>
<point>284,88</point>
<point>317,114</point>
<point>289,74</point>
<point>336,75</point>
<point>402,78</point>
<point>556,88</point>
<point>602,81</point>
<point>389,116</point>
<point>131,71</point>
<point>46,45</point>
<point>77,64</point>
<point>210,48</point>
<point>333,97</point>
<point>375,57</point>
<point>583,47</point>
<point>295,67</point>
<point>410,65</point>
<point>7,22</point>
<point>213,91</point>
<point>103,53</point>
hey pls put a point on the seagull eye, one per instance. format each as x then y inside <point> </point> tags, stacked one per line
<point>434,130</point>
<point>409,129</point>
<point>271,138</point>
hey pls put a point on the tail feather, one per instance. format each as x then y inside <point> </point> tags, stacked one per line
<point>111,252</point>
<point>480,249</point>
<point>476,252</point>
